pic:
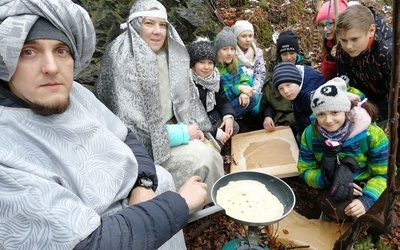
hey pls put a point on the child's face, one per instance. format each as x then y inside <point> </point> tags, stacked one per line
<point>289,90</point>
<point>355,41</point>
<point>227,54</point>
<point>245,39</point>
<point>203,67</point>
<point>328,28</point>
<point>331,121</point>
<point>289,56</point>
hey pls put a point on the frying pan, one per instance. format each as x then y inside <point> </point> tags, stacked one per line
<point>274,185</point>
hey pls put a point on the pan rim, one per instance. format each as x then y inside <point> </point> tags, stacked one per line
<point>289,207</point>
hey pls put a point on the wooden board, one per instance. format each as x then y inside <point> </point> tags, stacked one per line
<point>272,152</point>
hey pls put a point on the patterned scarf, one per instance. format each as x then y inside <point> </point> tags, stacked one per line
<point>128,83</point>
<point>210,83</point>
<point>338,135</point>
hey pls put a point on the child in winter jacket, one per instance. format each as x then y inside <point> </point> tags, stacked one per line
<point>295,83</point>
<point>249,55</point>
<point>275,109</point>
<point>205,76</point>
<point>364,54</point>
<point>342,146</point>
<point>237,85</point>
<point>326,24</point>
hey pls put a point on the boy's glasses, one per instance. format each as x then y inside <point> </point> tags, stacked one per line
<point>326,26</point>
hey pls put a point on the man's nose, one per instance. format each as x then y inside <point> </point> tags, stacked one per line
<point>49,64</point>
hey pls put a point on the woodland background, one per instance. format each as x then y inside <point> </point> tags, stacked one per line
<point>193,18</point>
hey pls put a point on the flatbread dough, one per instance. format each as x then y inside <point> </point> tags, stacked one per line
<point>250,201</point>
<point>267,153</point>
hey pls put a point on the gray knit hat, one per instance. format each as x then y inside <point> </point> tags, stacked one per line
<point>331,96</point>
<point>286,72</point>
<point>224,38</point>
<point>43,29</point>
<point>201,49</point>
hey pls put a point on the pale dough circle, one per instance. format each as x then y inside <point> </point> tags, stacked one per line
<point>250,201</point>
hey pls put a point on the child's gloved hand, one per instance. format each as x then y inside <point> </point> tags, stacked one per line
<point>342,187</point>
<point>330,161</point>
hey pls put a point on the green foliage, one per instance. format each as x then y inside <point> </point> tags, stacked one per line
<point>264,5</point>
<point>301,5</point>
<point>363,243</point>
<point>381,245</point>
<point>264,33</point>
<point>388,2</point>
<point>292,20</point>
<point>239,3</point>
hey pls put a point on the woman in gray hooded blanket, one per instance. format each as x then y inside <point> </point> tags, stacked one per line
<point>144,80</point>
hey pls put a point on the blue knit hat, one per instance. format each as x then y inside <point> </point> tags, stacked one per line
<point>286,72</point>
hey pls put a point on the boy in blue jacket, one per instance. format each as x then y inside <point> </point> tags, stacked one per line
<point>296,83</point>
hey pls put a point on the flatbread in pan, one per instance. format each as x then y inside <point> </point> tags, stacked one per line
<point>250,201</point>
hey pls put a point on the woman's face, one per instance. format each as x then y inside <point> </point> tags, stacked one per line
<point>203,67</point>
<point>227,54</point>
<point>245,39</point>
<point>328,27</point>
<point>153,31</point>
<point>331,121</point>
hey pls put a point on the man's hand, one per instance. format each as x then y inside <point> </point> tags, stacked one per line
<point>194,192</point>
<point>140,194</point>
<point>268,123</point>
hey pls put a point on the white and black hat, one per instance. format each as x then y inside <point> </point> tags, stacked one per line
<point>331,96</point>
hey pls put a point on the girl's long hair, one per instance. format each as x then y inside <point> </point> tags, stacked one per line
<point>232,67</point>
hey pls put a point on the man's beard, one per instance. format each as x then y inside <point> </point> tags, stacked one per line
<point>48,110</point>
